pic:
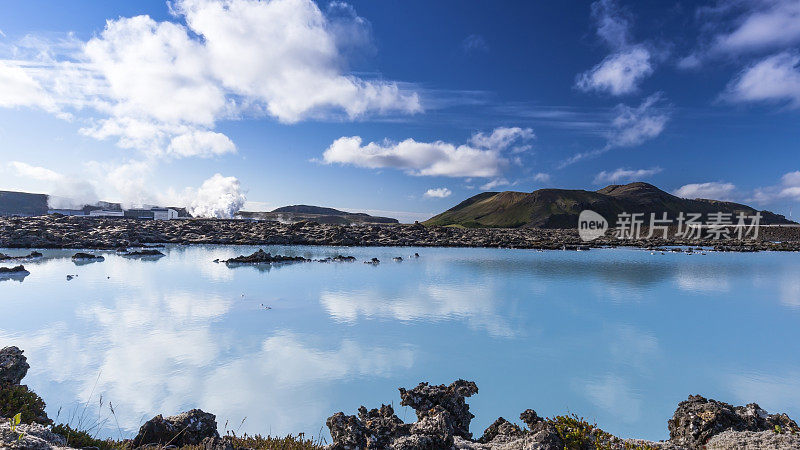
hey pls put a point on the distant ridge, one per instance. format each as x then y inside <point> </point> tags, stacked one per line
<point>321,214</point>
<point>559,208</point>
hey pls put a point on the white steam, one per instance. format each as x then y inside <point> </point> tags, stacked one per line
<point>219,197</point>
<point>64,192</point>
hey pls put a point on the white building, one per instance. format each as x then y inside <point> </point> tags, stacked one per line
<point>106,213</point>
<point>164,213</point>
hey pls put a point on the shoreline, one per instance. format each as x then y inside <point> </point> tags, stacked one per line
<point>54,232</point>
<point>443,423</point>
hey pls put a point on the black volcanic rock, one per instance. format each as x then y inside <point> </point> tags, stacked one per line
<point>262,257</point>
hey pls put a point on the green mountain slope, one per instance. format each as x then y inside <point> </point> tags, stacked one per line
<point>559,208</point>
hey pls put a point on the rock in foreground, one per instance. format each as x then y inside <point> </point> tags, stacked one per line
<point>444,418</point>
<point>13,366</point>
<point>188,428</point>
<point>698,419</point>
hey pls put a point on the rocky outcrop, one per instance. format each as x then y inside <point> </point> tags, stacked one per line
<point>16,270</point>
<point>31,255</point>
<point>13,366</point>
<point>30,437</point>
<point>15,397</point>
<point>698,419</point>
<point>262,257</point>
<point>425,398</point>
<point>80,256</point>
<point>188,428</point>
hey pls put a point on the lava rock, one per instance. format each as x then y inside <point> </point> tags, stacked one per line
<point>530,418</point>
<point>13,366</point>
<point>500,427</point>
<point>262,257</point>
<point>187,428</point>
<point>424,398</point>
<point>80,256</point>
<point>698,419</point>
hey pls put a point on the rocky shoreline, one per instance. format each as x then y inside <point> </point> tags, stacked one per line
<point>99,233</point>
<point>443,423</point>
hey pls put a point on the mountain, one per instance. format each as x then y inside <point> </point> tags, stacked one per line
<point>296,213</point>
<point>559,208</point>
<point>22,204</point>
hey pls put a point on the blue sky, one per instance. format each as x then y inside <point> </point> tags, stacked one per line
<point>398,107</point>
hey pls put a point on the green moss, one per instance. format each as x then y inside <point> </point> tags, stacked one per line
<point>19,399</point>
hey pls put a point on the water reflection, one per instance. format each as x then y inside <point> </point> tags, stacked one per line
<point>616,335</point>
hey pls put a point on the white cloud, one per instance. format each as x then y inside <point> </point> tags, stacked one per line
<point>18,88</point>
<point>619,73</point>
<point>483,158</point>
<point>773,79</point>
<point>495,183</point>
<point>159,86</point>
<point>630,126</point>
<point>502,138</point>
<point>623,70</point>
<point>219,197</point>
<point>438,193</point>
<point>542,177</point>
<point>64,191</point>
<point>764,24</point>
<point>623,174</point>
<point>612,24</point>
<point>201,143</point>
<point>789,187</point>
<point>633,126</point>
<point>714,190</point>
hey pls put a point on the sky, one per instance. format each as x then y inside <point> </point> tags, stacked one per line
<point>399,108</point>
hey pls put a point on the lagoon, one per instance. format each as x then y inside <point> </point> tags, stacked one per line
<point>618,336</point>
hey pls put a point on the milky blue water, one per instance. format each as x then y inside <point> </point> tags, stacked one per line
<point>618,336</point>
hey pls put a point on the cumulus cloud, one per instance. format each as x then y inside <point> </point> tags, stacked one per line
<point>627,175</point>
<point>622,71</point>
<point>773,79</point>
<point>788,188</point>
<point>438,193</point>
<point>160,86</point>
<point>219,197</point>
<point>619,73</point>
<point>201,143</point>
<point>715,190</point>
<point>63,191</point>
<point>482,157</point>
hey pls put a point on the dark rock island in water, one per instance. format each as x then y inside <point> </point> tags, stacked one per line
<point>262,257</point>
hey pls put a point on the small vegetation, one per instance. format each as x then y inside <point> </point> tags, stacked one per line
<point>578,434</point>
<point>80,439</point>
<point>18,399</point>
